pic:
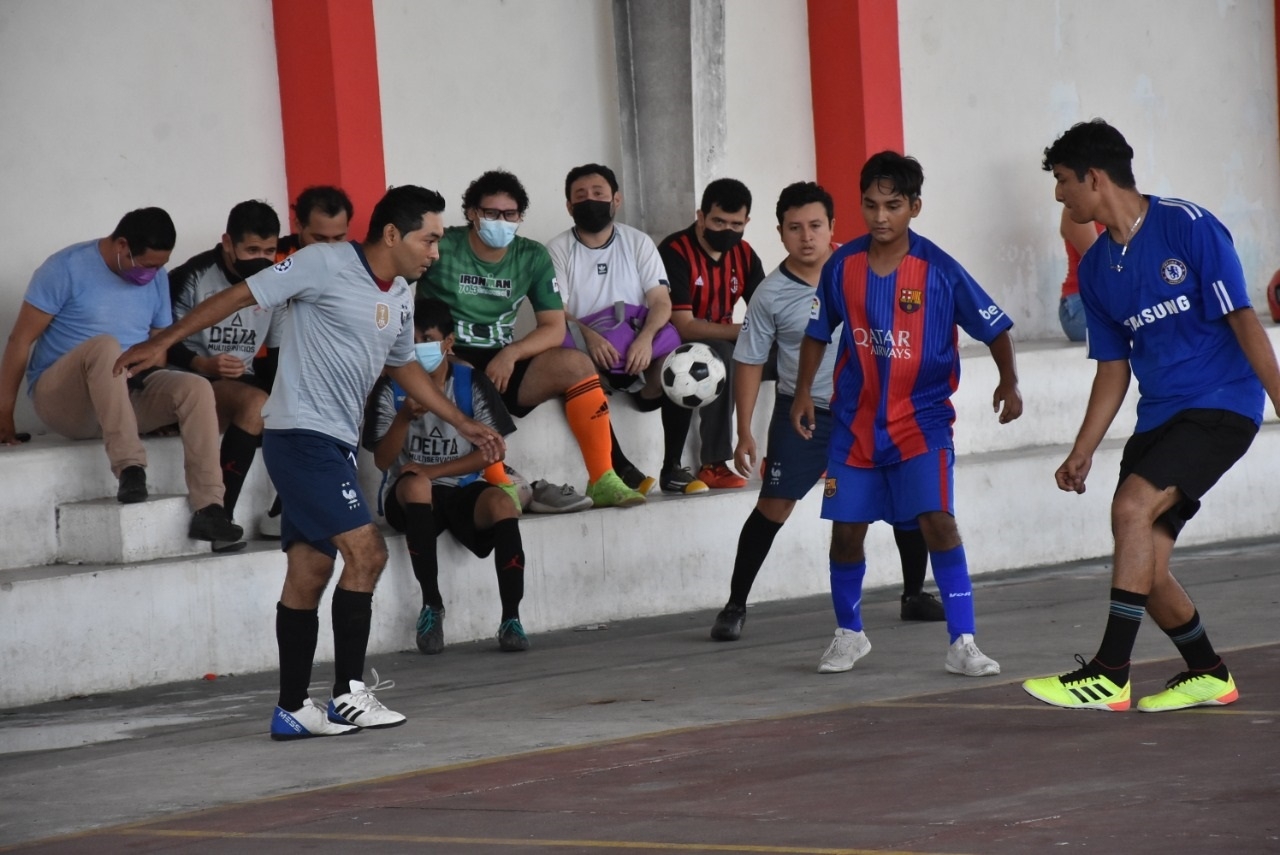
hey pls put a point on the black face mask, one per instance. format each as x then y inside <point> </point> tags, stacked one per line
<point>592,215</point>
<point>721,240</point>
<point>246,267</point>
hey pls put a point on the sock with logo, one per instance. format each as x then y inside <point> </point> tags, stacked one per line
<point>235,458</point>
<point>846,593</point>
<point>496,474</point>
<point>1124,618</point>
<point>915,559</point>
<point>754,543</point>
<point>675,432</point>
<point>296,634</point>
<point>951,572</point>
<point>1193,643</point>
<point>420,538</point>
<point>352,616</point>
<point>587,410</point>
<point>508,559</point>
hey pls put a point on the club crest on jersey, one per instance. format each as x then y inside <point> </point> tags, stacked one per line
<point>382,315</point>
<point>733,285</point>
<point>829,487</point>
<point>1173,271</point>
<point>284,265</point>
<point>910,299</point>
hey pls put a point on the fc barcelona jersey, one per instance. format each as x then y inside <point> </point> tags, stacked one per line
<point>898,360</point>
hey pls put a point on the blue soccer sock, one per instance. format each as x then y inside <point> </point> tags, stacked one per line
<point>951,572</point>
<point>846,593</point>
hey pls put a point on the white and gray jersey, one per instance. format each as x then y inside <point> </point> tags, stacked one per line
<point>779,311</point>
<point>430,439</point>
<point>241,334</point>
<point>622,270</point>
<point>340,330</point>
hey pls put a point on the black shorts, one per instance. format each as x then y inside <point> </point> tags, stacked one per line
<point>480,357</point>
<point>1191,451</point>
<point>454,510</point>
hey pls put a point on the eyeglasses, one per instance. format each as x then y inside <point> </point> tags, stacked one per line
<point>511,215</point>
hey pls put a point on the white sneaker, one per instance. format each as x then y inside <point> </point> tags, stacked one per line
<point>305,723</point>
<point>965,658</point>
<point>360,708</point>
<point>845,649</point>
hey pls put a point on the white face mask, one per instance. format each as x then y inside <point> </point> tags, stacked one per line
<point>496,234</point>
<point>429,355</point>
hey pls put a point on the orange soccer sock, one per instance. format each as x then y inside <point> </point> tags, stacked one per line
<point>496,474</point>
<point>587,410</point>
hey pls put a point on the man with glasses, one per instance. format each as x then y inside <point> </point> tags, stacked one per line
<point>710,267</point>
<point>485,272</point>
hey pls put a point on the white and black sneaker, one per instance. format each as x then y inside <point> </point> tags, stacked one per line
<point>308,722</point>
<point>360,708</point>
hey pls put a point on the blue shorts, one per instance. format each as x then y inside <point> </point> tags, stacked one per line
<point>315,476</point>
<point>793,464</point>
<point>897,493</point>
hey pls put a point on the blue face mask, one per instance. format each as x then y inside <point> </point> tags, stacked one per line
<point>496,234</point>
<point>429,355</point>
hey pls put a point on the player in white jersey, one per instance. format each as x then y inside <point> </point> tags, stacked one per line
<point>350,317</point>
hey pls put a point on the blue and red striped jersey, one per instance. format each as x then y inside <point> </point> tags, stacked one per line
<point>898,361</point>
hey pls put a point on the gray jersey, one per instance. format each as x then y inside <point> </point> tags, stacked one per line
<point>779,311</point>
<point>339,332</point>
<point>241,334</point>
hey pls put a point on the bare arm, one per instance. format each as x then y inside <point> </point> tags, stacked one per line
<point>746,391</point>
<point>154,350</point>
<point>27,327</point>
<point>1110,384</point>
<point>1257,349</point>
<point>693,329</point>
<point>1007,389</point>
<point>803,417</point>
<point>419,386</point>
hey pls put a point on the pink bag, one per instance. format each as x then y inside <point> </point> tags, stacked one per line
<point>619,324</point>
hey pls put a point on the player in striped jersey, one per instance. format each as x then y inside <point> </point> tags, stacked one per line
<point>891,456</point>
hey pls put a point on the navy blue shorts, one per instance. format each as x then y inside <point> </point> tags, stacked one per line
<point>896,493</point>
<point>793,464</point>
<point>315,476</point>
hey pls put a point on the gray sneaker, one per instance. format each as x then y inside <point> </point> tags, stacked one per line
<point>551,498</point>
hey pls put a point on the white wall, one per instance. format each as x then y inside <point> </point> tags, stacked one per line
<point>987,84</point>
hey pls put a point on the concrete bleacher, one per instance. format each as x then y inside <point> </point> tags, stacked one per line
<point>97,596</point>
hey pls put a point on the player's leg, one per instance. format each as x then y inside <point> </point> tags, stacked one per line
<point>851,499</point>
<point>409,509</point>
<point>494,526</point>
<point>240,416</point>
<point>715,428</point>
<point>913,553</point>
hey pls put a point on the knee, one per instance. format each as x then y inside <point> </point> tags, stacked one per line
<point>249,416</point>
<point>846,545</point>
<point>415,490</point>
<point>100,353</point>
<point>569,367</point>
<point>939,530</point>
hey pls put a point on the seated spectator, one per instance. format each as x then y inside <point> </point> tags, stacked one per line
<point>321,214</point>
<point>434,473</point>
<point>225,352</point>
<point>84,305</point>
<point>710,267</point>
<point>606,269</point>
<point>1077,237</point>
<point>484,273</point>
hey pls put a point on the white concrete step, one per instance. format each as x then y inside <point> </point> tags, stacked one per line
<point>103,531</point>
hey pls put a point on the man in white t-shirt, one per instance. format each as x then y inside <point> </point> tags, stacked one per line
<point>600,264</point>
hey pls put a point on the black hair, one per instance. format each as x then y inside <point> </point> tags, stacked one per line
<point>491,183</point>
<point>1093,145</point>
<point>403,207</point>
<point>804,193</point>
<point>432,314</point>
<point>590,169</point>
<point>328,200</point>
<point>901,172</point>
<point>252,218</point>
<point>145,229</point>
<point>729,193</point>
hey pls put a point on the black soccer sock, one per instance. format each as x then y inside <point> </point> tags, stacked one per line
<point>352,616</point>
<point>508,560</point>
<point>1123,621</point>
<point>235,458</point>
<point>914,554</point>
<point>420,537</point>
<point>1193,643</point>
<point>275,507</point>
<point>675,431</point>
<point>616,457</point>
<point>754,543</point>
<point>296,633</point>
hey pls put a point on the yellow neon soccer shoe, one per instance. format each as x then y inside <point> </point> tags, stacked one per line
<point>1082,689</point>
<point>1191,690</point>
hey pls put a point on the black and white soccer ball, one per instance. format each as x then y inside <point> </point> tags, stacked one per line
<point>693,375</point>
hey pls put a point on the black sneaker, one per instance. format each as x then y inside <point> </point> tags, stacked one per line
<point>922,606</point>
<point>212,523</point>
<point>430,630</point>
<point>728,625</point>
<point>635,479</point>
<point>133,485</point>
<point>511,637</point>
<point>680,481</point>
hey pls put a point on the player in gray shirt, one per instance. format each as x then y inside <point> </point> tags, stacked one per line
<point>350,316</point>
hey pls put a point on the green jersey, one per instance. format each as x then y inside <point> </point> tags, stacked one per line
<point>483,297</point>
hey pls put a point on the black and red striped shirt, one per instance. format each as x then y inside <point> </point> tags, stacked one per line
<point>700,284</point>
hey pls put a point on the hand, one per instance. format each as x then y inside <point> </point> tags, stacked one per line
<point>744,455</point>
<point>1073,472</point>
<point>500,369</point>
<point>140,357</point>
<point>639,355</point>
<point>485,439</point>
<point>803,417</point>
<point>417,469</point>
<point>602,353</point>
<point>223,365</point>
<point>1007,394</point>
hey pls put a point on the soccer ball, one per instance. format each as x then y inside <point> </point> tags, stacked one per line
<point>693,375</point>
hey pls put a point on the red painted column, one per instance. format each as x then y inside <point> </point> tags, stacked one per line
<point>332,115</point>
<point>857,95</point>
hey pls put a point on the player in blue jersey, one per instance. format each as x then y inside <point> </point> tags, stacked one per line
<point>891,454</point>
<point>1165,299</point>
